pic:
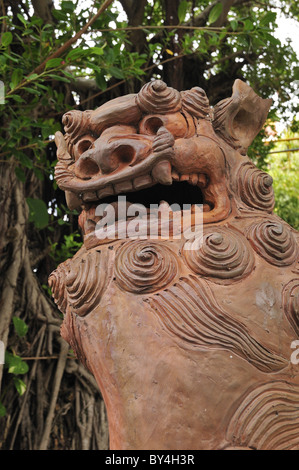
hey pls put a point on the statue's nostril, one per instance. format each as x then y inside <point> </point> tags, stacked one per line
<point>125,153</point>
<point>110,160</point>
<point>86,167</point>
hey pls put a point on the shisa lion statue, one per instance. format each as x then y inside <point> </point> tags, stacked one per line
<point>191,348</point>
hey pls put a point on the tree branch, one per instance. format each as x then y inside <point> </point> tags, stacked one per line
<point>226,4</point>
<point>74,39</point>
<point>123,81</point>
<point>64,349</point>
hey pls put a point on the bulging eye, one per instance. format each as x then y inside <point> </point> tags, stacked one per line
<point>150,125</point>
<point>84,144</point>
<point>175,123</point>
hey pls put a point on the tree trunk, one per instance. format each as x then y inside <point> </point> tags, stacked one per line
<point>43,417</point>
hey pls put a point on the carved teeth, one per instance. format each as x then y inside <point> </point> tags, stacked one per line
<point>175,175</point>
<point>105,192</point>
<point>72,200</point>
<point>89,196</point>
<point>193,179</point>
<point>142,182</point>
<point>164,203</point>
<point>123,187</point>
<point>202,180</point>
<point>184,178</point>
<point>162,172</point>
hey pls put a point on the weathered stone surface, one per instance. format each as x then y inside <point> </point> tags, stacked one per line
<point>191,348</point>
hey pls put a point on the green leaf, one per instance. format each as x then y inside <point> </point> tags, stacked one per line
<point>101,81</point>
<point>59,78</point>
<point>234,25</point>
<point>75,54</point>
<point>32,90</point>
<point>110,56</point>
<point>20,326</point>
<point>53,63</point>
<point>271,39</point>
<point>16,77</point>
<point>182,10</point>
<point>20,385</point>
<point>96,50</point>
<point>68,6</point>
<point>269,17</point>
<point>248,25</point>
<point>2,410</point>
<point>10,57</point>
<point>43,87</point>
<point>38,213</point>
<point>15,364</point>
<point>39,174</point>
<point>115,72</point>
<point>68,74</point>
<point>26,161</point>
<point>215,13</point>
<point>17,98</point>
<point>33,76</point>
<point>20,174</point>
<point>6,38</point>
<point>22,19</point>
<point>59,15</point>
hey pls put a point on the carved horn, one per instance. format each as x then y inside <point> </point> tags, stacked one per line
<point>239,119</point>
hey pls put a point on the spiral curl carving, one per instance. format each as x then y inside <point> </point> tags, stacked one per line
<point>221,254</point>
<point>273,241</point>
<point>57,284</point>
<point>157,98</point>
<point>255,188</point>
<point>290,301</point>
<point>144,267</point>
<point>86,282</point>
<point>196,103</point>
<point>76,123</point>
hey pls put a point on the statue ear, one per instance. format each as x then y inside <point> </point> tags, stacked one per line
<point>239,119</point>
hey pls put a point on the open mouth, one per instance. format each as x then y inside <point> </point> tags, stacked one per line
<point>183,190</point>
<point>160,183</point>
<point>165,205</point>
<point>177,195</point>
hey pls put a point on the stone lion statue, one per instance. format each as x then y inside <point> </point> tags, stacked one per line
<point>191,348</point>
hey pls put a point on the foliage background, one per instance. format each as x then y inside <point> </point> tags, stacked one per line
<point>66,55</point>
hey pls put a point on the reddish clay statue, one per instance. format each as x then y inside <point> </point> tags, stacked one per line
<point>191,348</point>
